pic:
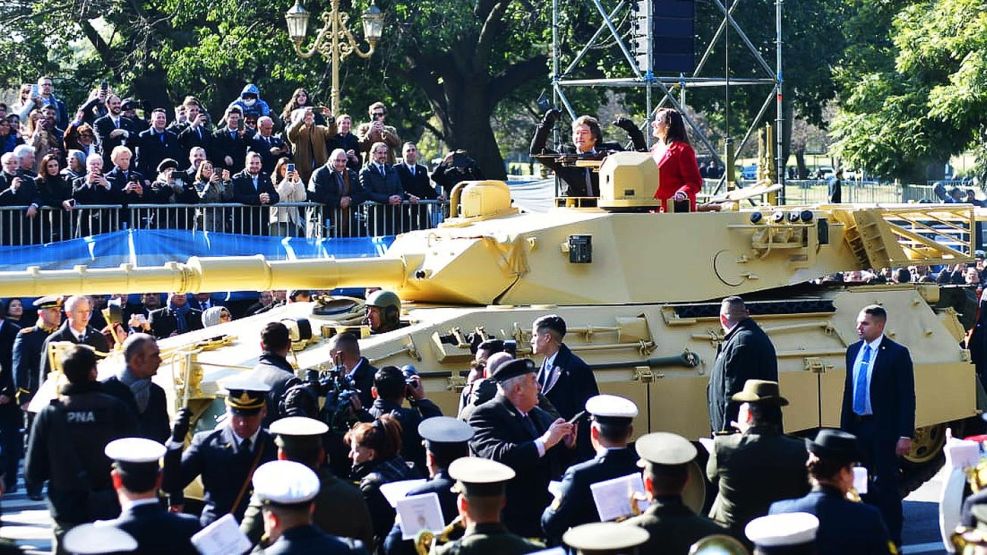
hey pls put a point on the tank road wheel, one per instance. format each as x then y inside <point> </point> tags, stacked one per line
<point>925,458</point>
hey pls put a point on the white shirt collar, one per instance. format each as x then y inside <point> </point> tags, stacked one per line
<point>875,343</point>
<point>253,438</point>
<point>550,360</point>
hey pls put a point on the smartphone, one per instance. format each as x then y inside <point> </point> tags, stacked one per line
<point>575,419</point>
<point>291,168</point>
<point>103,85</point>
<point>34,90</point>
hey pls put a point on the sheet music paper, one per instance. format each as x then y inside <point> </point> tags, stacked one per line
<point>419,512</point>
<point>395,491</point>
<point>555,488</point>
<point>613,497</point>
<point>222,537</point>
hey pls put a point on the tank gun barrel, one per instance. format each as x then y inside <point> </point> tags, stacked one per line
<point>236,273</point>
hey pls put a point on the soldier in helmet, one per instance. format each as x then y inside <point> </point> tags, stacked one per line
<point>383,311</point>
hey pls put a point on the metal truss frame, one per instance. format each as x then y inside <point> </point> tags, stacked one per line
<point>663,83</point>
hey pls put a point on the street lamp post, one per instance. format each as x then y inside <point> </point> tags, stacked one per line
<point>334,41</point>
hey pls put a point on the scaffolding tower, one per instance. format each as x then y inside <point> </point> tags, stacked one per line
<point>636,78</point>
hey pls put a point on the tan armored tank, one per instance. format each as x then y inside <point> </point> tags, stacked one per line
<point>640,293</point>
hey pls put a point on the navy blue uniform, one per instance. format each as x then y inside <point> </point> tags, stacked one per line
<point>27,361</point>
<point>845,527</point>
<point>157,531</point>
<point>216,456</point>
<point>575,504</point>
<point>307,539</point>
<point>441,484</point>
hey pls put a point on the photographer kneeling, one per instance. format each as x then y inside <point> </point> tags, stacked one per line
<point>391,387</point>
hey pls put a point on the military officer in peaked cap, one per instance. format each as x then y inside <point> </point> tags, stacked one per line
<point>784,534</point>
<point>446,439</point>
<point>610,430</point>
<point>339,506</point>
<point>605,538</point>
<point>225,457</point>
<point>287,490</point>
<point>27,362</point>
<point>480,484</point>
<point>672,526</point>
<point>136,476</point>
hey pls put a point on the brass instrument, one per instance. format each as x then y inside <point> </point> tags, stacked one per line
<point>425,540</point>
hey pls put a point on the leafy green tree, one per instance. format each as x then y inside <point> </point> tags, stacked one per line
<point>918,94</point>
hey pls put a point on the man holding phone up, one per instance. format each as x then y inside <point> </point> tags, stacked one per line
<point>512,429</point>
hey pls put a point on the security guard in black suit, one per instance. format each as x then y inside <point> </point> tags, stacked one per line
<point>225,457</point>
<point>480,484</point>
<point>610,430</point>
<point>565,379</point>
<point>287,489</point>
<point>136,476</point>
<point>673,526</point>
<point>27,361</point>
<point>339,506</point>
<point>391,387</point>
<point>446,440</point>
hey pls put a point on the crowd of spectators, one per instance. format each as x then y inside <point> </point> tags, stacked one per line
<point>114,153</point>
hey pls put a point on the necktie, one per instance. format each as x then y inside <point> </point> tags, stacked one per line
<point>380,168</point>
<point>860,386</point>
<point>412,168</point>
<point>233,135</point>
<point>116,123</point>
<point>245,446</point>
<point>339,183</point>
<point>198,133</point>
<point>255,183</point>
<point>162,137</point>
<point>529,426</point>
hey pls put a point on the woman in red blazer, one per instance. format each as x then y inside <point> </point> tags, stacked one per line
<point>678,170</point>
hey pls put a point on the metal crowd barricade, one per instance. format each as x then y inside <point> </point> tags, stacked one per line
<point>313,220</point>
<point>228,217</point>
<point>56,224</point>
<point>373,219</point>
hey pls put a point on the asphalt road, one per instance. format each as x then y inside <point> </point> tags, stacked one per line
<point>921,530</point>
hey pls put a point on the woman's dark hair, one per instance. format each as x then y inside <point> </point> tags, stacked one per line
<point>382,435</point>
<point>675,123</point>
<point>293,105</point>
<point>825,469</point>
<point>43,167</point>
<point>276,175</point>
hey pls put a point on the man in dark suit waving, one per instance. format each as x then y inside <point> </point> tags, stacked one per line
<point>879,408</point>
<point>565,380</point>
<point>512,430</point>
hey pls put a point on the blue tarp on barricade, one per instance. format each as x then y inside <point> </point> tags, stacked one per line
<point>153,247</point>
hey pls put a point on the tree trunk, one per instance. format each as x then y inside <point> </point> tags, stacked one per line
<point>466,125</point>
